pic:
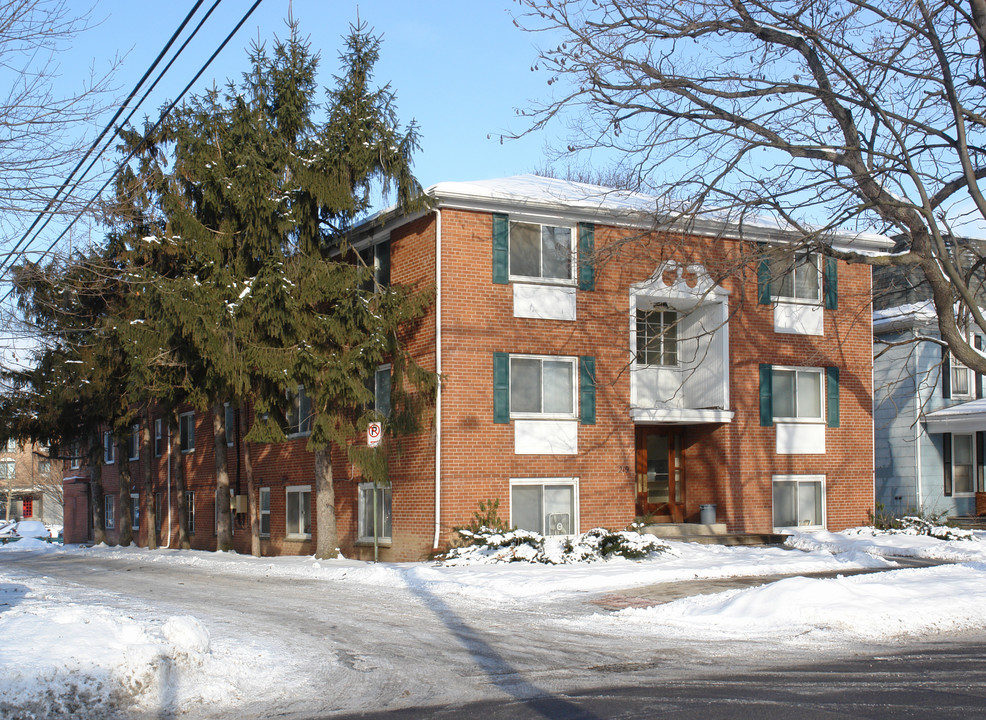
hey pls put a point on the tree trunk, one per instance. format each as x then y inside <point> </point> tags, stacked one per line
<point>224,523</point>
<point>96,493</point>
<point>150,499</point>
<point>123,473</point>
<point>327,541</point>
<point>253,510</point>
<point>176,455</point>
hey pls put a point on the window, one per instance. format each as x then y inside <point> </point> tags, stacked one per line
<point>381,390</point>
<point>299,414</point>
<point>963,465</point>
<point>545,506</point>
<point>377,258</point>
<point>158,436</point>
<point>298,515</point>
<point>133,442</point>
<point>108,448</point>
<point>382,495</point>
<point>795,276</point>
<point>542,252</point>
<point>190,510</point>
<point>796,394</point>
<point>265,512</point>
<point>109,505</point>
<point>542,386</point>
<point>799,501</point>
<point>960,379</point>
<point>657,337</point>
<point>75,455</point>
<point>186,432</point>
<point>135,511</point>
<point>7,469</point>
<point>11,445</point>
<point>229,422</point>
<point>158,512</point>
<point>44,466</point>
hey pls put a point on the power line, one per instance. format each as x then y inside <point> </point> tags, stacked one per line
<point>164,114</point>
<point>13,253</point>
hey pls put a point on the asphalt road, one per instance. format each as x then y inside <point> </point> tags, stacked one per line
<point>346,649</point>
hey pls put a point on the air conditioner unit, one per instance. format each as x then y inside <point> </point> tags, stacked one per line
<point>559,524</point>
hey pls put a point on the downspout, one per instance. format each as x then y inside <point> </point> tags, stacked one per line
<point>438,370</point>
<point>917,440</point>
<point>168,544</point>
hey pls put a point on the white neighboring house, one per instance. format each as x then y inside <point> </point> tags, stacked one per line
<point>929,418</point>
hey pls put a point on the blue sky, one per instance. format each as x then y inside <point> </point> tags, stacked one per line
<point>459,68</point>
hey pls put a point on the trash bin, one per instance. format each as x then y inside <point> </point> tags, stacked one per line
<point>707,514</point>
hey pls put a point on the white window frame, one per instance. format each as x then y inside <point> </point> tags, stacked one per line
<point>158,437</point>
<point>958,370</point>
<point>264,492</point>
<point>109,448</point>
<point>573,482</point>
<point>382,371</point>
<point>573,361</point>
<point>44,466</point>
<point>288,492</point>
<point>134,444</point>
<point>776,278</point>
<point>299,426</point>
<point>821,397</point>
<point>229,424</point>
<point>573,252</point>
<point>972,464</point>
<point>190,509</point>
<point>135,511</point>
<point>11,444</point>
<point>659,344</point>
<point>75,455</point>
<point>186,432</point>
<point>806,480</point>
<point>109,512</point>
<point>365,534</point>
<point>10,470</point>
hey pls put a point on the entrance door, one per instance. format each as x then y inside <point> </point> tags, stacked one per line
<point>660,480</point>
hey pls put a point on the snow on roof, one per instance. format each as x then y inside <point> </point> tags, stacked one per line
<point>964,417</point>
<point>907,315</point>
<point>535,193</point>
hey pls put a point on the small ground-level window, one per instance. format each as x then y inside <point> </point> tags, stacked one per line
<point>265,512</point>
<point>383,506</point>
<point>298,512</point>
<point>548,506</point>
<point>109,506</point>
<point>190,506</point>
<point>135,511</point>
<point>799,501</point>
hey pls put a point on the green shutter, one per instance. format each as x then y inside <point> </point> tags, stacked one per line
<point>501,387</point>
<point>587,390</point>
<point>587,246</point>
<point>501,228</point>
<point>766,404</point>
<point>832,391</point>
<point>763,278</point>
<point>831,283</point>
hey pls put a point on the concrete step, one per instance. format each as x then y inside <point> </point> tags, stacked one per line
<point>712,534</point>
<point>968,522</point>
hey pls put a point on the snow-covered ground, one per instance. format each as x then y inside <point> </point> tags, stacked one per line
<point>66,651</point>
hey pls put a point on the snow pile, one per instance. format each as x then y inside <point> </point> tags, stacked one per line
<point>63,657</point>
<point>882,606</point>
<point>492,546</point>
<point>919,526</point>
<point>967,545</point>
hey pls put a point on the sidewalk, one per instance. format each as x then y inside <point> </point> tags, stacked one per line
<point>650,595</point>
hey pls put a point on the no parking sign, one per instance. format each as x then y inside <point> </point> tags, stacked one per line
<point>373,432</point>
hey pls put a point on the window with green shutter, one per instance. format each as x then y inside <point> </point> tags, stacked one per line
<point>587,390</point>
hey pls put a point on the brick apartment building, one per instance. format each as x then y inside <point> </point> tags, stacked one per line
<point>594,370</point>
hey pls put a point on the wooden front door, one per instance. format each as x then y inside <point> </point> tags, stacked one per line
<point>660,476</point>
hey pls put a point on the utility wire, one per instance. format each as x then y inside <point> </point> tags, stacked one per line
<point>133,152</point>
<point>13,253</point>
